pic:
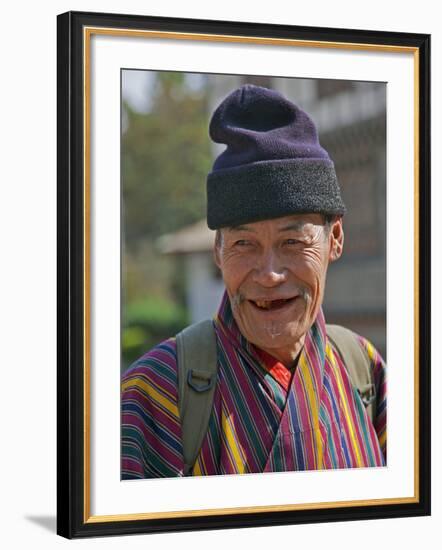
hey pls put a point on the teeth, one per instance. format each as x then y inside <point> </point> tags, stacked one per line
<point>265,304</point>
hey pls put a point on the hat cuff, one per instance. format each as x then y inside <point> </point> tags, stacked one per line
<point>271,189</point>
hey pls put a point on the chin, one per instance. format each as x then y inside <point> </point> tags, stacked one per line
<point>274,337</point>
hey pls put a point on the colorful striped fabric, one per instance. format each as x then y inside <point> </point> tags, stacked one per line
<point>258,424</point>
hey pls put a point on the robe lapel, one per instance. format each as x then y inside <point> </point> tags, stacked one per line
<point>299,441</point>
<point>260,425</point>
<point>250,408</point>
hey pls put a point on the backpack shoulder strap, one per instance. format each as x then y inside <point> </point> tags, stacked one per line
<point>197,371</point>
<point>357,363</point>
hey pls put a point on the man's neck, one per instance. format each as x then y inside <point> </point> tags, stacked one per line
<point>288,357</point>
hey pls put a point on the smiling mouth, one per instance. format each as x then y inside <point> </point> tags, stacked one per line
<point>272,305</point>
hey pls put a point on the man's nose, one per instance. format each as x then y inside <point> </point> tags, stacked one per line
<point>269,271</point>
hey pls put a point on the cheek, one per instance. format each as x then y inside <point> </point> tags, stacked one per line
<point>234,270</point>
<point>310,269</point>
<point>311,263</point>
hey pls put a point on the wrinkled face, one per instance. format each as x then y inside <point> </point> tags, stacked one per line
<point>275,272</point>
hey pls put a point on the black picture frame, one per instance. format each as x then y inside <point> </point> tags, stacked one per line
<point>73,508</point>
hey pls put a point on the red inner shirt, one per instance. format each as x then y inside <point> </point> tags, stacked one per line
<point>278,370</point>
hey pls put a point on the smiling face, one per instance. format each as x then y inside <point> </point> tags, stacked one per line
<point>275,272</point>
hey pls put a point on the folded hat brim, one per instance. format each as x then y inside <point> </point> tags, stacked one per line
<point>272,189</point>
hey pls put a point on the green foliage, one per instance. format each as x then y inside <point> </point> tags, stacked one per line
<point>165,160</point>
<point>146,323</point>
<point>166,155</point>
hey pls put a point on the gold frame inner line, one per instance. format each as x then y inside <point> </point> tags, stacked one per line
<point>88,32</point>
<point>266,41</point>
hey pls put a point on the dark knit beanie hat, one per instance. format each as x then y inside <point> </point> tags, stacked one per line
<point>273,165</point>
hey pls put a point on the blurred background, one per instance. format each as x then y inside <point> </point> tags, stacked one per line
<point>168,275</point>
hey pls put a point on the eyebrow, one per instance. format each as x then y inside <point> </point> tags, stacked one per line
<point>294,226</point>
<point>291,226</point>
<point>234,228</point>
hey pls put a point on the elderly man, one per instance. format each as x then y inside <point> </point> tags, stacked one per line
<point>266,386</point>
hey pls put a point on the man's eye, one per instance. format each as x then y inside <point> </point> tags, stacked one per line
<point>242,242</point>
<point>292,241</point>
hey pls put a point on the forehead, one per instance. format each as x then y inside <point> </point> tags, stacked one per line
<point>296,222</point>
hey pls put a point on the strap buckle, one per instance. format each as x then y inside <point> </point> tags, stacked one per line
<point>368,394</point>
<point>201,376</point>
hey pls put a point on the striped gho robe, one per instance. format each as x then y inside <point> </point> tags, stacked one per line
<point>263,420</point>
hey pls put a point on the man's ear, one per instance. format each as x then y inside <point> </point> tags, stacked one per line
<point>216,257</point>
<point>216,249</point>
<point>336,240</point>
